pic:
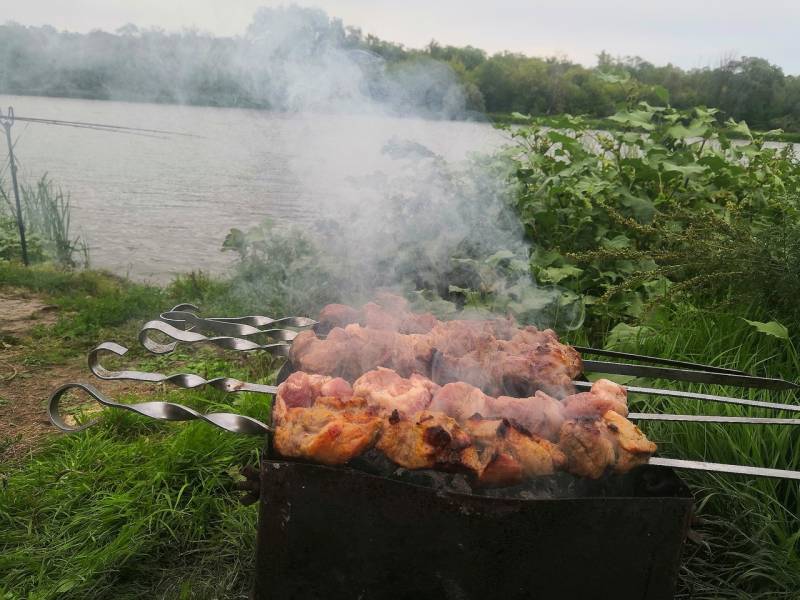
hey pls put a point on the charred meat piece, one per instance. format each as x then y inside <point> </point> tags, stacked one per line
<point>427,441</point>
<point>632,446</point>
<point>593,446</point>
<point>386,392</point>
<point>510,454</point>
<point>324,435</point>
<point>605,395</point>
<point>587,446</point>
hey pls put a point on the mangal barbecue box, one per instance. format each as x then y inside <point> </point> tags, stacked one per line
<point>376,525</point>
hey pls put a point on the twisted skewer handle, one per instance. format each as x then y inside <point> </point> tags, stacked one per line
<point>184,380</point>
<point>183,316</point>
<point>192,337</point>
<point>161,411</point>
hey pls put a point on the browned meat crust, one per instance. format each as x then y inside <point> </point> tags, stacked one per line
<point>418,425</point>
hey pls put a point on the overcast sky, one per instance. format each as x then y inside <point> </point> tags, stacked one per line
<point>690,33</point>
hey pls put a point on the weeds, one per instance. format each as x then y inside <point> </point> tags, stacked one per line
<point>46,212</point>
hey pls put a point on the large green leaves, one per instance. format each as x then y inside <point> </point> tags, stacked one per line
<point>611,213</point>
<point>771,328</point>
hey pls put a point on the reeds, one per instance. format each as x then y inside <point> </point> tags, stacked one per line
<point>46,212</point>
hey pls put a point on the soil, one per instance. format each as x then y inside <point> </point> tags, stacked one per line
<point>24,388</point>
<point>19,312</point>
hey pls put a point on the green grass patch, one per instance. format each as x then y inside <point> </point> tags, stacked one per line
<point>133,508</point>
<point>748,527</point>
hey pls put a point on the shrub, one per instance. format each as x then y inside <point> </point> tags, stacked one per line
<point>668,198</point>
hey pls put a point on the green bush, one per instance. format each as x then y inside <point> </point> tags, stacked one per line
<point>667,199</point>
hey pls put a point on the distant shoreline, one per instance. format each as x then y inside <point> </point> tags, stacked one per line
<point>491,118</point>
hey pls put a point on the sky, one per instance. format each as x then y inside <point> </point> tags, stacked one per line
<point>689,33</point>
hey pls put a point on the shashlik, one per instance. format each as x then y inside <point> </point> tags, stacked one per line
<point>495,355</point>
<point>418,424</point>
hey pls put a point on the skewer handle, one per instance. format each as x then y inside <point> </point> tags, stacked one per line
<point>161,411</point>
<point>192,337</point>
<point>184,380</point>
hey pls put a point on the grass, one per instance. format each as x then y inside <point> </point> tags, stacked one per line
<point>748,527</point>
<point>46,212</point>
<point>132,508</point>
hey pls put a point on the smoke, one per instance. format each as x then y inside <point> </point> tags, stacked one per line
<point>299,59</point>
<point>389,211</point>
<point>376,150</point>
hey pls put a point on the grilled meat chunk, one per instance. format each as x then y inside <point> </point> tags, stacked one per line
<point>459,337</point>
<point>509,454</point>
<point>337,315</point>
<point>593,446</point>
<point>302,390</point>
<point>429,440</point>
<point>385,392</point>
<point>389,312</point>
<point>329,356</point>
<point>354,350</point>
<point>460,401</point>
<point>325,435</point>
<point>605,395</point>
<point>587,446</point>
<point>493,355</point>
<point>497,372</point>
<point>632,447</point>
<point>417,424</point>
<point>539,414</point>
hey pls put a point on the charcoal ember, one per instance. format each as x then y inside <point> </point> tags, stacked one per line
<point>374,462</point>
<point>440,481</point>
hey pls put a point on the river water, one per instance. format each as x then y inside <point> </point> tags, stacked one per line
<point>151,207</point>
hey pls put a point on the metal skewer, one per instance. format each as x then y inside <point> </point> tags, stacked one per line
<point>184,380</point>
<point>190,322</point>
<point>712,419</point>
<point>586,385</point>
<point>161,411</point>
<point>182,315</point>
<point>191,337</point>
<point>714,378</point>
<point>657,360</point>
<point>697,465</point>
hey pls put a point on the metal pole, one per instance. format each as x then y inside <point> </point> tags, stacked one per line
<point>8,121</point>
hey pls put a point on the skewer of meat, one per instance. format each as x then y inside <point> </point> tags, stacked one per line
<point>418,424</point>
<point>494,355</point>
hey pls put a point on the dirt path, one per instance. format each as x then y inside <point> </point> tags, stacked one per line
<point>25,388</point>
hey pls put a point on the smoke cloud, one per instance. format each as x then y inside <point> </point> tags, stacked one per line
<point>390,212</point>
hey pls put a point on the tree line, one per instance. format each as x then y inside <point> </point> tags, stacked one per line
<point>196,68</point>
